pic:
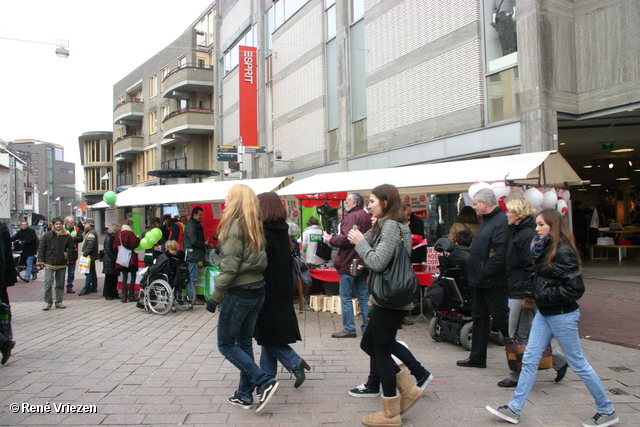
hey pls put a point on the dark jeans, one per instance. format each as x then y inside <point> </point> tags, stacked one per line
<point>378,341</point>
<point>91,280</point>
<point>236,324</point>
<point>110,288</point>
<point>488,304</point>
<point>71,274</point>
<point>132,281</point>
<point>402,353</point>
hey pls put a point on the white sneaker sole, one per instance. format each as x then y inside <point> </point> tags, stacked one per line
<point>268,398</point>
<point>358,395</point>
<point>426,383</point>
<point>608,423</point>
<point>501,415</point>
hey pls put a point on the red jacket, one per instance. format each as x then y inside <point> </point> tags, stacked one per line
<point>129,240</point>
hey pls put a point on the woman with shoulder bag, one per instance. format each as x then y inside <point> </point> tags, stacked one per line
<point>377,248</point>
<point>240,292</point>
<point>558,286</point>
<point>127,239</point>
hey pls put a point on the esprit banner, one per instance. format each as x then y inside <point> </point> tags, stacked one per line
<point>248,95</point>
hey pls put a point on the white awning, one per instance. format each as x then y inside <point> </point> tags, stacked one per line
<point>545,168</point>
<point>203,192</point>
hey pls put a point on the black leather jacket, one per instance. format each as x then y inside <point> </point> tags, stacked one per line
<point>555,292</point>
<point>487,263</point>
<point>519,261</point>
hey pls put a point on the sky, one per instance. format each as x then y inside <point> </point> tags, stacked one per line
<point>56,100</point>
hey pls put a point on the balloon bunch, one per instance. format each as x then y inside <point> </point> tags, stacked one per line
<point>152,237</point>
<point>538,198</point>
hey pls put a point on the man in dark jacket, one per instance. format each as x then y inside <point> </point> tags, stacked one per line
<point>54,250</point>
<point>76,233</point>
<point>7,278</point>
<point>357,216</point>
<point>29,241</point>
<point>194,245</point>
<point>487,277</point>
<point>90,249</point>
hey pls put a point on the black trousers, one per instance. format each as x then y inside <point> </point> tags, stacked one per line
<point>488,302</point>
<point>378,341</point>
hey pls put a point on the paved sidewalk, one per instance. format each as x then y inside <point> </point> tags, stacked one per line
<point>144,369</point>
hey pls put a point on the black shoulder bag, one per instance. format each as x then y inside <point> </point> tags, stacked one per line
<point>397,285</point>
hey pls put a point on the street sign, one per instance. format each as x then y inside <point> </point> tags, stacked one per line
<point>234,166</point>
<point>226,157</point>
<point>254,149</point>
<point>227,149</point>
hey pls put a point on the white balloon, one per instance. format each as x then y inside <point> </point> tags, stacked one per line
<point>500,189</point>
<point>550,198</point>
<point>562,207</point>
<point>515,193</point>
<point>476,186</point>
<point>566,195</point>
<point>534,197</point>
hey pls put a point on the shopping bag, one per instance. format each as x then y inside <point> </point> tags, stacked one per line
<point>84,264</point>
<point>515,351</point>
<point>124,256</point>
<point>212,274</point>
<point>211,258</point>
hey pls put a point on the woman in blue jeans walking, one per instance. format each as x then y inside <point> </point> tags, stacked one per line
<point>557,286</point>
<point>240,293</point>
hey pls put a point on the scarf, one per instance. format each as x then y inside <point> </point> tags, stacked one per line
<point>537,246</point>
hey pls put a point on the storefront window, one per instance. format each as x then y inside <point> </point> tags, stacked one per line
<point>501,44</point>
<point>503,90</point>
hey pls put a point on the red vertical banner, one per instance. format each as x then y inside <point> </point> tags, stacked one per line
<point>248,95</point>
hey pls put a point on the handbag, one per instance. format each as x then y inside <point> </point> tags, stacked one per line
<point>397,285</point>
<point>300,270</point>
<point>124,255</point>
<point>323,251</point>
<point>84,265</point>
<point>515,352</point>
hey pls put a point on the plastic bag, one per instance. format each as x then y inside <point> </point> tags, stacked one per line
<point>84,264</point>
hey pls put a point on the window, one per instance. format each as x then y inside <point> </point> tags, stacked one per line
<point>67,185</point>
<point>357,10</point>
<point>120,100</point>
<point>232,55</point>
<point>358,72</point>
<point>153,86</point>
<point>201,63</point>
<point>501,44</point>
<point>332,85</point>
<point>330,15</point>
<point>67,171</point>
<point>145,162</point>
<point>58,154</point>
<point>503,90</point>
<point>163,75</point>
<point>164,112</point>
<point>282,10</point>
<point>119,132</point>
<point>153,122</point>
<point>182,62</point>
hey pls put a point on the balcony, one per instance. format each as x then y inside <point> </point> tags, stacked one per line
<point>28,184</point>
<point>186,79</point>
<point>128,111</point>
<point>188,121</point>
<point>124,179</point>
<point>180,163</point>
<point>128,144</point>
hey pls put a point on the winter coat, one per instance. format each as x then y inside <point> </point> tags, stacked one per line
<point>310,238</point>
<point>459,258</point>
<point>110,255</point>
<point>129,240</point>
<point>277,324</point>
<point>346,250</point>
<point>554,294</point>
<point>463,226</point>
<point>55,249</point>
<point>487,269</point>
<point>519,261</point>
<point>238,264</point>
<point>29,241</point>
<point>7,268</point>
<point>193,241</point>
<point>90,247</point>
<point>379,250</point>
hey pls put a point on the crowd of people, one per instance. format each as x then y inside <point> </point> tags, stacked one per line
<point>522,269</point>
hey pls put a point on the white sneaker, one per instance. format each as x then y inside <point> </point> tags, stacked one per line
<point>60,305</point>
<point>47,306</point>
<point>602,420</point>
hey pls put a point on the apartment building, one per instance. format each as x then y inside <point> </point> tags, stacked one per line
<point>163,113</point>
<point>54,179</point>
<point>96,157</point>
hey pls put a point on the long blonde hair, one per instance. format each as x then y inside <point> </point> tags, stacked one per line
<point>243,207</point>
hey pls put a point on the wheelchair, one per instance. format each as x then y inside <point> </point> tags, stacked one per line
<point>162,294</point>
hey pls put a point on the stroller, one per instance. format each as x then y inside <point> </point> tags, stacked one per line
<point>165,285</point>
<point>452,320</point>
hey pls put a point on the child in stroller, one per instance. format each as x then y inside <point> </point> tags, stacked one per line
<point>166,281</point>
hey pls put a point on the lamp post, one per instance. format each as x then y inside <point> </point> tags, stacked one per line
<point>48,207</point>
<point>59,206</point>
<point>70,209</point>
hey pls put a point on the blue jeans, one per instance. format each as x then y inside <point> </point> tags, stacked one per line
<point>236,323</point>
<point>71,274</point>
<point>564,327</point>
<point>347,282</point>
<point>191,287</point>
<point>272,353</point>
<point>31,271</point>
<point>91,280</point>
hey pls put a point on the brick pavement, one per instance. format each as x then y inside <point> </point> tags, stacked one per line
<point>144,369</point>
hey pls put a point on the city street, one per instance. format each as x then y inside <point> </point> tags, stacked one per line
<point>143,369</point>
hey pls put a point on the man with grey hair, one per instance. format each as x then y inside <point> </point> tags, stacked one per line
<point>487,277</point>
<point>356,217</point>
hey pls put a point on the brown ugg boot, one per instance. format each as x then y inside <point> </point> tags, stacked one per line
<point>390,415</point>
<point>410,392</point>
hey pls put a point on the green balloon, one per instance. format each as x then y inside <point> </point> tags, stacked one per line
<point>139,248</point>
<point>110,198</point>
<point>157,232</point>
<point>151,238</point>
<point>146,244</point>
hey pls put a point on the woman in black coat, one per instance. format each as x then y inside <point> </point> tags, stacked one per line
<point>110,290</point>
<point>277,324</point>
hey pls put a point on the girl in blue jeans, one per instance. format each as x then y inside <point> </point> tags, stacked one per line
<point>557,286</point>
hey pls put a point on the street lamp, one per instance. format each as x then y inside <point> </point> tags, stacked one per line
<point>70,209</point>
<point>59,207</point>
<point>46,193</point>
